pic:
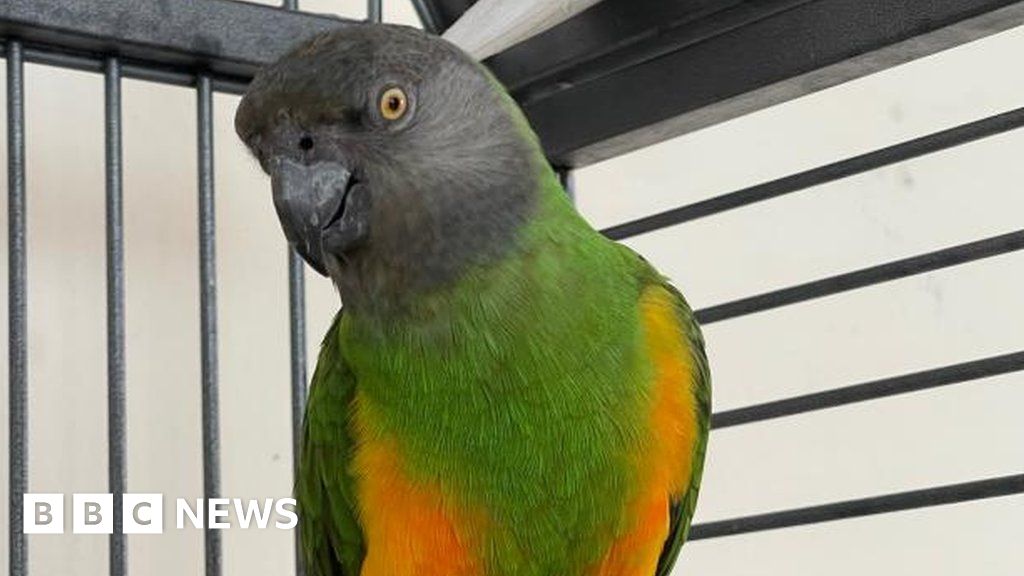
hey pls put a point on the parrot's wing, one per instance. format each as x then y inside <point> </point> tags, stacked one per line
<point>331,538</point>
<point>683,505</point>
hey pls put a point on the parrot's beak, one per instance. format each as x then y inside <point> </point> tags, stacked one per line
<point>323,208</point>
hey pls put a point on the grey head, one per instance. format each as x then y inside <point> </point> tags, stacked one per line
<point>396,161</point>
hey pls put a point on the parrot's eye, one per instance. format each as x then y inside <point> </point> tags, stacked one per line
<point>393,104</point>
<point>306,143</point>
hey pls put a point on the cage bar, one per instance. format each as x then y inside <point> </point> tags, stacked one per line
<point>226,39</point>
<point>208,317</point>
<point>775,53</point>
<point>196,39</point>
<point>297,332</point>
<point>568,181</point>
<point>928,144</point>
<point>887,503</point>
<point>17,307</point>
<point>903,384</point>
<point>117,439</point>
<point>928,262</point>
<point>297,339</point>
<point>374,10</point>
<point>428,17</point>
<point>147,71</point>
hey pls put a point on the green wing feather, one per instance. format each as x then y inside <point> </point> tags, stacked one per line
<point>683,508</point>
<point>331,538</point>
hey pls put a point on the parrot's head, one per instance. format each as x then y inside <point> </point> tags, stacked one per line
<point>397,162</point>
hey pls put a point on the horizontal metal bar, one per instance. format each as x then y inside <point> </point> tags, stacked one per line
<point>579,51</point>
<point>138,70</point>
<point>864,277</point>
<point>626,77</point>
<point>228,40</point>
<point>928,497</point>
<point>903,384</point>
<point>880,158</point>
<point>745,57</point>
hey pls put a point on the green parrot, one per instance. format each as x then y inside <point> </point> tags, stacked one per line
<point>505,392</point>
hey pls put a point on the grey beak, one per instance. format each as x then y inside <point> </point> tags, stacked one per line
<point>312,203</point>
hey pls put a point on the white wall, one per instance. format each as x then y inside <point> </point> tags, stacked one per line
<point>941,436</point>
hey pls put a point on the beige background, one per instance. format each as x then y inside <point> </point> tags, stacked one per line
<point>941,436</point>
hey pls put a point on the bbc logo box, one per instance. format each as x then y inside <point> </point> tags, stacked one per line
<point>92,514</point>
<point>43,514</point>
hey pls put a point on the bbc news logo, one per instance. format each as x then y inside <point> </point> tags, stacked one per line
<point>144,513</point>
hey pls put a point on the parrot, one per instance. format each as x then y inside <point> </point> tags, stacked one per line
<point>504,391</point>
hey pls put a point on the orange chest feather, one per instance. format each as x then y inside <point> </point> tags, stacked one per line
<point>407,527</point>
<point>664,468</point>
<point>673,415</point>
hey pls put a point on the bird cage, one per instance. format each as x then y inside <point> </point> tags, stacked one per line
<point>610,81</point>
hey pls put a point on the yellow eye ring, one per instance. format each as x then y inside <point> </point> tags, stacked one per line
<point>393,104</point>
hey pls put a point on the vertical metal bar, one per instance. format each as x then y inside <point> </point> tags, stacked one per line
<point>428,18</point>
<point>373,10</point>
<point>568,181</point>
<point>208,316</point>
<point>297,330</point>
<point>17,306</point>
<point>297,324</point>
<point>117,442</point>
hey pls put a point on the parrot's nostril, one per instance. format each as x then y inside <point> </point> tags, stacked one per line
<point>306,143</point>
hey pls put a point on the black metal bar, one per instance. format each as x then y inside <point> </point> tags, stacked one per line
<point>903,384</point>
<point>17,308</point>
<point>117,439</point>
<point>928,497</point>
<point>297,327</point>
<point>864,277</point>
<point>619,96</point>
<point>428,18</point>
<point>655,59</point>
<point>901,152</point>
<point>568,181</point>
<point>137,70</point>
<point>374,11</point>
<point>580,51</point>
<point>297,332</point>
<point>208,317</point>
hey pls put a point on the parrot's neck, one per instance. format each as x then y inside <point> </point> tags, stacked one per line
<point>563,284</point>
<point>386,295</point>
